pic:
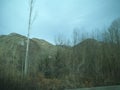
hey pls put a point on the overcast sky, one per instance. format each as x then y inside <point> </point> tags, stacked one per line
<point>57,16</point>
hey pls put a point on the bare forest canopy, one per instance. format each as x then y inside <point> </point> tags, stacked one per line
<point>88,62</point>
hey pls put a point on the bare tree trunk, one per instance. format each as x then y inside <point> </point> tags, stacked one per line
<point>28,39</point>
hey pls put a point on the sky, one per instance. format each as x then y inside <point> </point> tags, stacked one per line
<point>54,17</point>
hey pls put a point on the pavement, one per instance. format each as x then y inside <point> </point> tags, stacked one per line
<point>117,87</point>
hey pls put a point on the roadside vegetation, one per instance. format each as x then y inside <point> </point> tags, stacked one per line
<point>74,63</point>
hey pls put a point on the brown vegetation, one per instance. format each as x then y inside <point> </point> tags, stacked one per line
<point>88,63</point>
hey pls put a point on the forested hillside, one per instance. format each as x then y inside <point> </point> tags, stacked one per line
<point>86,63</point>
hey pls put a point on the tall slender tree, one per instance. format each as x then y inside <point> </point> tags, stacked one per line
<point>28,35</point>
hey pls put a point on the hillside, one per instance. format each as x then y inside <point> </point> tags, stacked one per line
<point>46,47</point>
<point>12,49</point>
<point>89,63</point>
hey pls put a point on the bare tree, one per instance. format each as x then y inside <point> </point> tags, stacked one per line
<point>28,35</point>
